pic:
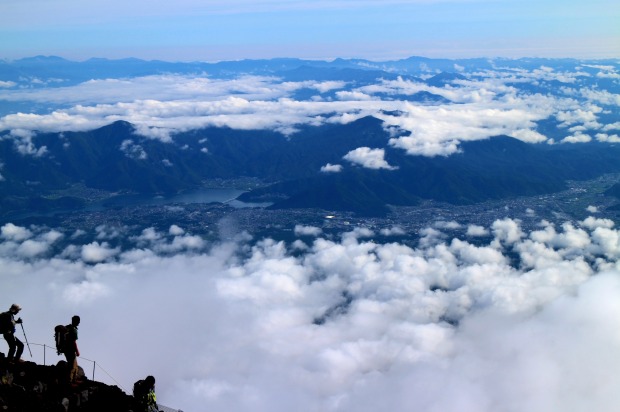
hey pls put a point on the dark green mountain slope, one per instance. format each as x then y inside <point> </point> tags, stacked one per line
<point>614,191</point>
<point>114,158</point>
<point>496,168</point>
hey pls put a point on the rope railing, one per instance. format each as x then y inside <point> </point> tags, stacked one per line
<point>45,347</point>
<point>95,365</point>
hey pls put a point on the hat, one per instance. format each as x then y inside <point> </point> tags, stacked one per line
<point>16,307</point>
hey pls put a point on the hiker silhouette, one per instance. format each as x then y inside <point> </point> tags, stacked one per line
<point>7,327</point>
<point>144,395</point>
<point>70,348</point>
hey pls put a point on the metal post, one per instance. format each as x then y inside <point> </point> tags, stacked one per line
<point>44,347</point>
<point>24,332</point>
<point>94,363</point>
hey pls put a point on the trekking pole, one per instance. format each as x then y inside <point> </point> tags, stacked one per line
<point>27,344</point>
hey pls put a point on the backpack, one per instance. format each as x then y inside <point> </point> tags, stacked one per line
<point>140,391</point>
<point>138,388</point>
<point>60,337</point>
<point>6,326</point>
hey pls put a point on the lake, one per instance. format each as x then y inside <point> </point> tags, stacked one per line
<point>227,196</point>
<point>193,196</point>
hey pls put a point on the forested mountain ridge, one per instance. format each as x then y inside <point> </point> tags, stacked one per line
<point>115,158</point>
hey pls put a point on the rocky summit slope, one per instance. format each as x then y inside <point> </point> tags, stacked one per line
<point>29,387</point>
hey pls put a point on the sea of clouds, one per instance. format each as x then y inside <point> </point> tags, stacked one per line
<point>471,318</point>
<point>482,105</point>
<point>487,319</point>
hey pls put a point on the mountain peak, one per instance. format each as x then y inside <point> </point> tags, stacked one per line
<point>42,59</point>
<point>444,78</point>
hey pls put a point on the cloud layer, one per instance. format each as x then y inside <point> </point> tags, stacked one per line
<point>484,105</point>
<point>493,319</point>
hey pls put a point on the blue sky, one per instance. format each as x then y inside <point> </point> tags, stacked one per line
<point>235,29</point>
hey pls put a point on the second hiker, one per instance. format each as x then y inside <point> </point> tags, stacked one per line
<point>7,327</point>
<point>144,395</point>
<point>71,350</point>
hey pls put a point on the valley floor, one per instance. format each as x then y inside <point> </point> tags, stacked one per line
<point>215,221</point>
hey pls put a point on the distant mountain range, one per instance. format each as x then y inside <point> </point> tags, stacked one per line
<point>72,72</point>
<point>114,158</point>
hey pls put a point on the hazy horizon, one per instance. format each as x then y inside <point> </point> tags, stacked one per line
<point>330,59</point>
<point>193,31</point>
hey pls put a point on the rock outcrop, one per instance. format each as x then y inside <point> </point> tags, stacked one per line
<point>29,387</point>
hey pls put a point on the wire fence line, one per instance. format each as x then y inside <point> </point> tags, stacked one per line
<point>94,363</point>
<point>95,366</point>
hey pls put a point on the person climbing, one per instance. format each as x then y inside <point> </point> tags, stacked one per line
<point>71,350</point>
<point>144,395</point>
<point>7,327</point>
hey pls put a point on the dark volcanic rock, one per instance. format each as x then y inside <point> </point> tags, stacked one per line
<point>29,387</point>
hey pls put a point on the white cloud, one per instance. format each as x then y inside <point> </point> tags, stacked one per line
<point>51,236</point>
<point>476,230</point>
<point>162,134</point>
<point>369,158</point>
<point>330,168</point>
<point>96,252</point>
<point>342,325</point>
<point>608,75</point>
<point>174,241</point>
<point>185,242</point>
<point>160,106</point>
<point>604,137</point>
<point>592,223</point>
<point>176,230</point>
<point>7,84</point>
<point>355,95</point>
<point>586,116</point>
<point>451,225</point>
<point>608,240</point>
<point>301,230</point>
<point>577,138</point>
<point>601,96</point>
<point>611,126</point>
<point>326,86</point>
<point>133,150</point>
<point>31,248</point>
<point>476,255</point>
<point>78,233</point>
<point>151,90</point>
<point>86,291</point>
<point>437,130</point>
<point>108,232</point>
<point>148,235</point>
<point>393,231</point>
<point>507,230</point>
<point>17,233</point>
<point>24,144</point>
<point>430,237</point>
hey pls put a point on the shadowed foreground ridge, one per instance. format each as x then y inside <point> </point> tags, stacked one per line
<point>29,387</point>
